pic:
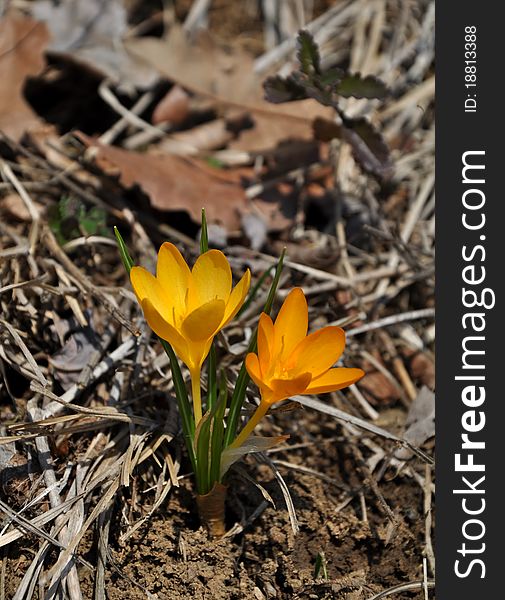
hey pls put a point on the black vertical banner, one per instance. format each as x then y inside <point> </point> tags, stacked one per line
<point>470,320</point>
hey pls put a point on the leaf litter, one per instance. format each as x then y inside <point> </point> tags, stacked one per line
<point>93,476</point>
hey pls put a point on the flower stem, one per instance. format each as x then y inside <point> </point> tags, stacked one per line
<point>197,394</point>
<point>259,413</point>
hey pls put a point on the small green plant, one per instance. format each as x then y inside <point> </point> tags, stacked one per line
<point>186,308</point>
<point>320,569</point>
<point>328,87</point>
<point>69,219</point>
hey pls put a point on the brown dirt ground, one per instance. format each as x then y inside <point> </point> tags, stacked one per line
<point>172,557</point>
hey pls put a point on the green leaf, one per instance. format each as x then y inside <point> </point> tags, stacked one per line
<point>217,434</point>
<point>361,87</point>
<point>238,396</point>
<point>211,378</point>
<point>202,451</point>
<point>283,89</point>
<point>123,251</point>
<point>308,53</point>
<point>368,145</point>
<point>188,423</point>
<point>320,566</point>
<point>204,235</point>
<point>252,294</point>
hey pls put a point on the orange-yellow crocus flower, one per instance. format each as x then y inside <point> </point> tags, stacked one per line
<point>188,307</point>
<point>289,362</point>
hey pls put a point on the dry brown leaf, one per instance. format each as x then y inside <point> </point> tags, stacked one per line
<point>173,107</point>
<point>208,136</point>
<point>379,387</point>
<point>173,183</point>
<point>229,78</point>
<point>423,369</point>
<point>22,44</point>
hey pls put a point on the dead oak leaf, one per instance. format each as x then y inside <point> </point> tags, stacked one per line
<point>229,79</point>
<point>22,44</point>
<point>174,184</point>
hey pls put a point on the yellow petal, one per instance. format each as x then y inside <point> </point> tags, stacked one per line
<point>198,353</point>
<point>291,323</point>
<point>285,388</point>
<point>165,330</point>
<point>253,368</point>
<point>265,344</point>
<point>318,351</point>
<point>236,298</point>
<point>210,279</point>
<point>173,274</point>
<point>334,379</point>
<point>204,321</point>
<point>147,286</point>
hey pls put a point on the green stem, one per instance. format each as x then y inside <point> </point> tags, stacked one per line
<point>259,413</point>
<point>197,394</point>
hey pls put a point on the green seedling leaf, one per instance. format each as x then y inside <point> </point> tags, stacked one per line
<point>368,145</point>
<point>253,293</point>
<point>123,251</point>
<point>211,378</point>
<point>202,450</point>
<point>204,235</point>
<point>283,89</point>
<point>308,53</point>
<point>320,569</point>
<point>217,434</point>
<point>361,87</point>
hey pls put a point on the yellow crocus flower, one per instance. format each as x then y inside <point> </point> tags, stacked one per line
<point>188,307</point>
<point>289,362</point>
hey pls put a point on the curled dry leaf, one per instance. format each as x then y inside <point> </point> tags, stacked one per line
<point>174,184</point>
<point>173,107</point>
<point>22,44</point>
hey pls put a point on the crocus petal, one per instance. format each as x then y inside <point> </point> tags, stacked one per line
<point>210,279</point>
<point>165,330</point>
<point>285,388</point>
<point>204,321</point>
<point>173,274</point>
<point>236,298</point>
<point>291,324</point>
<point>318,351</point>
<point>334,379</point>
<point>253,368</point>
<point>198,353</point>
<point>147,286</point>
<point>265,344</point>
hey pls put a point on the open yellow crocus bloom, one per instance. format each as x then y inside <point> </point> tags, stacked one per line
<point>188,307</point>
<point>289,362</point>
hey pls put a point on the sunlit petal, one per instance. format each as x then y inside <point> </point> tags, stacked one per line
<point>204,321</point>
<point>265,343</point>
<point>318,351</point>
<point>173,274</point>
<point>164,329</point>
<point>147,286</point>
<point>285,388</point>
<point>334,379</point>
<point>236,298</point>
<point>210,279</point>
<point>198,352</point>
<point>253,368</point>
<point>291,324</point>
